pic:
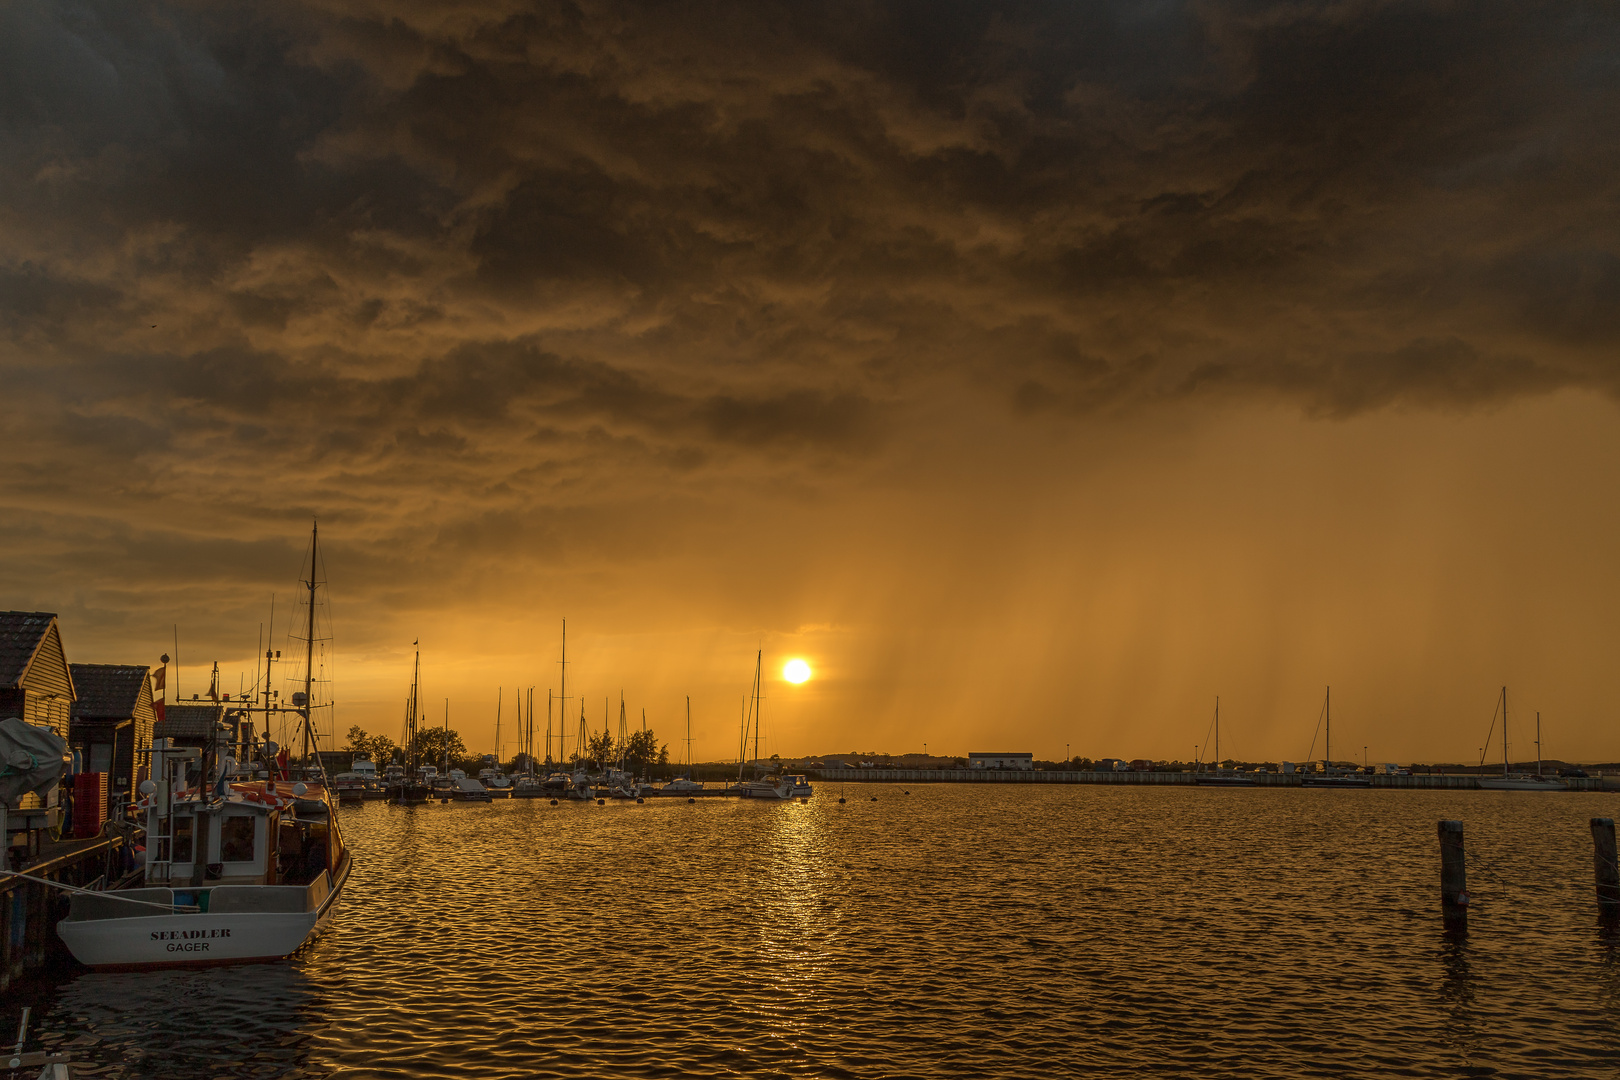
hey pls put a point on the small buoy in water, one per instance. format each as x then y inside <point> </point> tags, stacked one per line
<point>691,800</point>
<point>1462,899</point>
<point>601,802</point>
<point>840,801</point>
<point>905,793</point>
<point>553,802</point>
<point>444,802</point>
<point>874,798</point>
<point>640,801</point>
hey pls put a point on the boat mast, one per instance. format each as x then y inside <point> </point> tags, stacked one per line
<point>1217,733</point>
<point>562,703</point>
<point>1538,742</point>
<point>689,736</point>
<point>411,754</point>
<point>758,660</point>
<point>498,727</point>
<point>309,645</point>
<point>1504,733</point>
<point>1327,705</point>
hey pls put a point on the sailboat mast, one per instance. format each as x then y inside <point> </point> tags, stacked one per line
<point>1538,742</point>
<point>1217,732</point>
<point>758,660</point>
<point>1327,705</point>
<point>410,716</point>
<point>562,702</point>
<point>1504,733</point>
<point>309,645</point>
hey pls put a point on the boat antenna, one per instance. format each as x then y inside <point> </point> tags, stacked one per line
<point>498,726</point>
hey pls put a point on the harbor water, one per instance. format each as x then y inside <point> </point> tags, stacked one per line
<point>975,931</point>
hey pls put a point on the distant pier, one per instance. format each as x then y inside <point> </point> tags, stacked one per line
<point>1462,781</point>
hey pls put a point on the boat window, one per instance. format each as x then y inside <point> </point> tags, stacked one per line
<point>236,839</point>
<point>182,839</point>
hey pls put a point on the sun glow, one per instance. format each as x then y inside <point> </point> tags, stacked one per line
<point>796,671</point>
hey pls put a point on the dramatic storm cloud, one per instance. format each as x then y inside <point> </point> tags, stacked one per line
<point>922,335</point>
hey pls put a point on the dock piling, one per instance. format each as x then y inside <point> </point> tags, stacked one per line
<point>1605,868</point>
<point>1453,876</point>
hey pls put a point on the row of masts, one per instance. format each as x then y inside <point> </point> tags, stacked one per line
<point>1326,725</point>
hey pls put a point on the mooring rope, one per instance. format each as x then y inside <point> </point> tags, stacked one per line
<point>65,887</point>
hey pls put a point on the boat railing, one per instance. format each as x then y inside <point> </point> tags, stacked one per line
<point>260,899</point>
<point>123,904</point>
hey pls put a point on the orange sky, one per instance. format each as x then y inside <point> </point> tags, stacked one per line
<point>1036,378</point>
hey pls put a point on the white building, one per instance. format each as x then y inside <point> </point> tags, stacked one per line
<point>986,760</point>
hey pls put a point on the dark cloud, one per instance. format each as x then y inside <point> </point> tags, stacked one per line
<point>369,258</point>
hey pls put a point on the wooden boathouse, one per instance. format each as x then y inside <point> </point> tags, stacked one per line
<point>37,686</point>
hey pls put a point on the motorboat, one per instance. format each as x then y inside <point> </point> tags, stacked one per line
<point>358,783</point>
<point>681,785</point>
<point>464,788</point>
<point>234,873</point>
<point>494,782</point>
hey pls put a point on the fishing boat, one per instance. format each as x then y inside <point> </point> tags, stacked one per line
<point>234,873</point>
<point>235,870</point>
<point>1509,780</point>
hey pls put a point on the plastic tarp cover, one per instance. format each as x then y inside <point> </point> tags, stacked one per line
<point>31,759</point>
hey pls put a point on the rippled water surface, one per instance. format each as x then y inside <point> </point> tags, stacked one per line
<point>956,930</point>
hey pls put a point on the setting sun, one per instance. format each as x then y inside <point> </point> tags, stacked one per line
<point>796,671</point>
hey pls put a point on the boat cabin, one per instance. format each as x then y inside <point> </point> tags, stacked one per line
<point>223,833</point>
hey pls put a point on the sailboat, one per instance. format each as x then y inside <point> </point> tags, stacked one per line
<point>405,784</point>
<point>684,784</point>
<point>1329,776</point>
<point>1512,781</point>
<point>780,786</point>
<point>1221,777</point>
<point>235,871</point>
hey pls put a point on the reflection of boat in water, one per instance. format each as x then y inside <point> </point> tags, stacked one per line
<point>1509,780</point>
<point>233,872</point>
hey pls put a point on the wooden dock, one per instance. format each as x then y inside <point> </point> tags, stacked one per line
<point>29,911</point>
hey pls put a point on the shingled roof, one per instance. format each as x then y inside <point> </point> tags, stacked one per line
<point>191,720</point>
<point>107,691</point>
<point>20,635</point>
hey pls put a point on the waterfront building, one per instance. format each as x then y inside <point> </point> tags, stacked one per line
<point>1000,760</point>
<point>111,729</point>
<point>35,683</point>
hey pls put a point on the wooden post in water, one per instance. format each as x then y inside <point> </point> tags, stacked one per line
<point>1605,868</point>
<point>1453,876</point>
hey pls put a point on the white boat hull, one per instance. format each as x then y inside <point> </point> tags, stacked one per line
<point>165,939</point>
<point>170,940</point>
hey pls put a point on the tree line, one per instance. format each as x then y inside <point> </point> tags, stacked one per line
<point>444,747</point>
